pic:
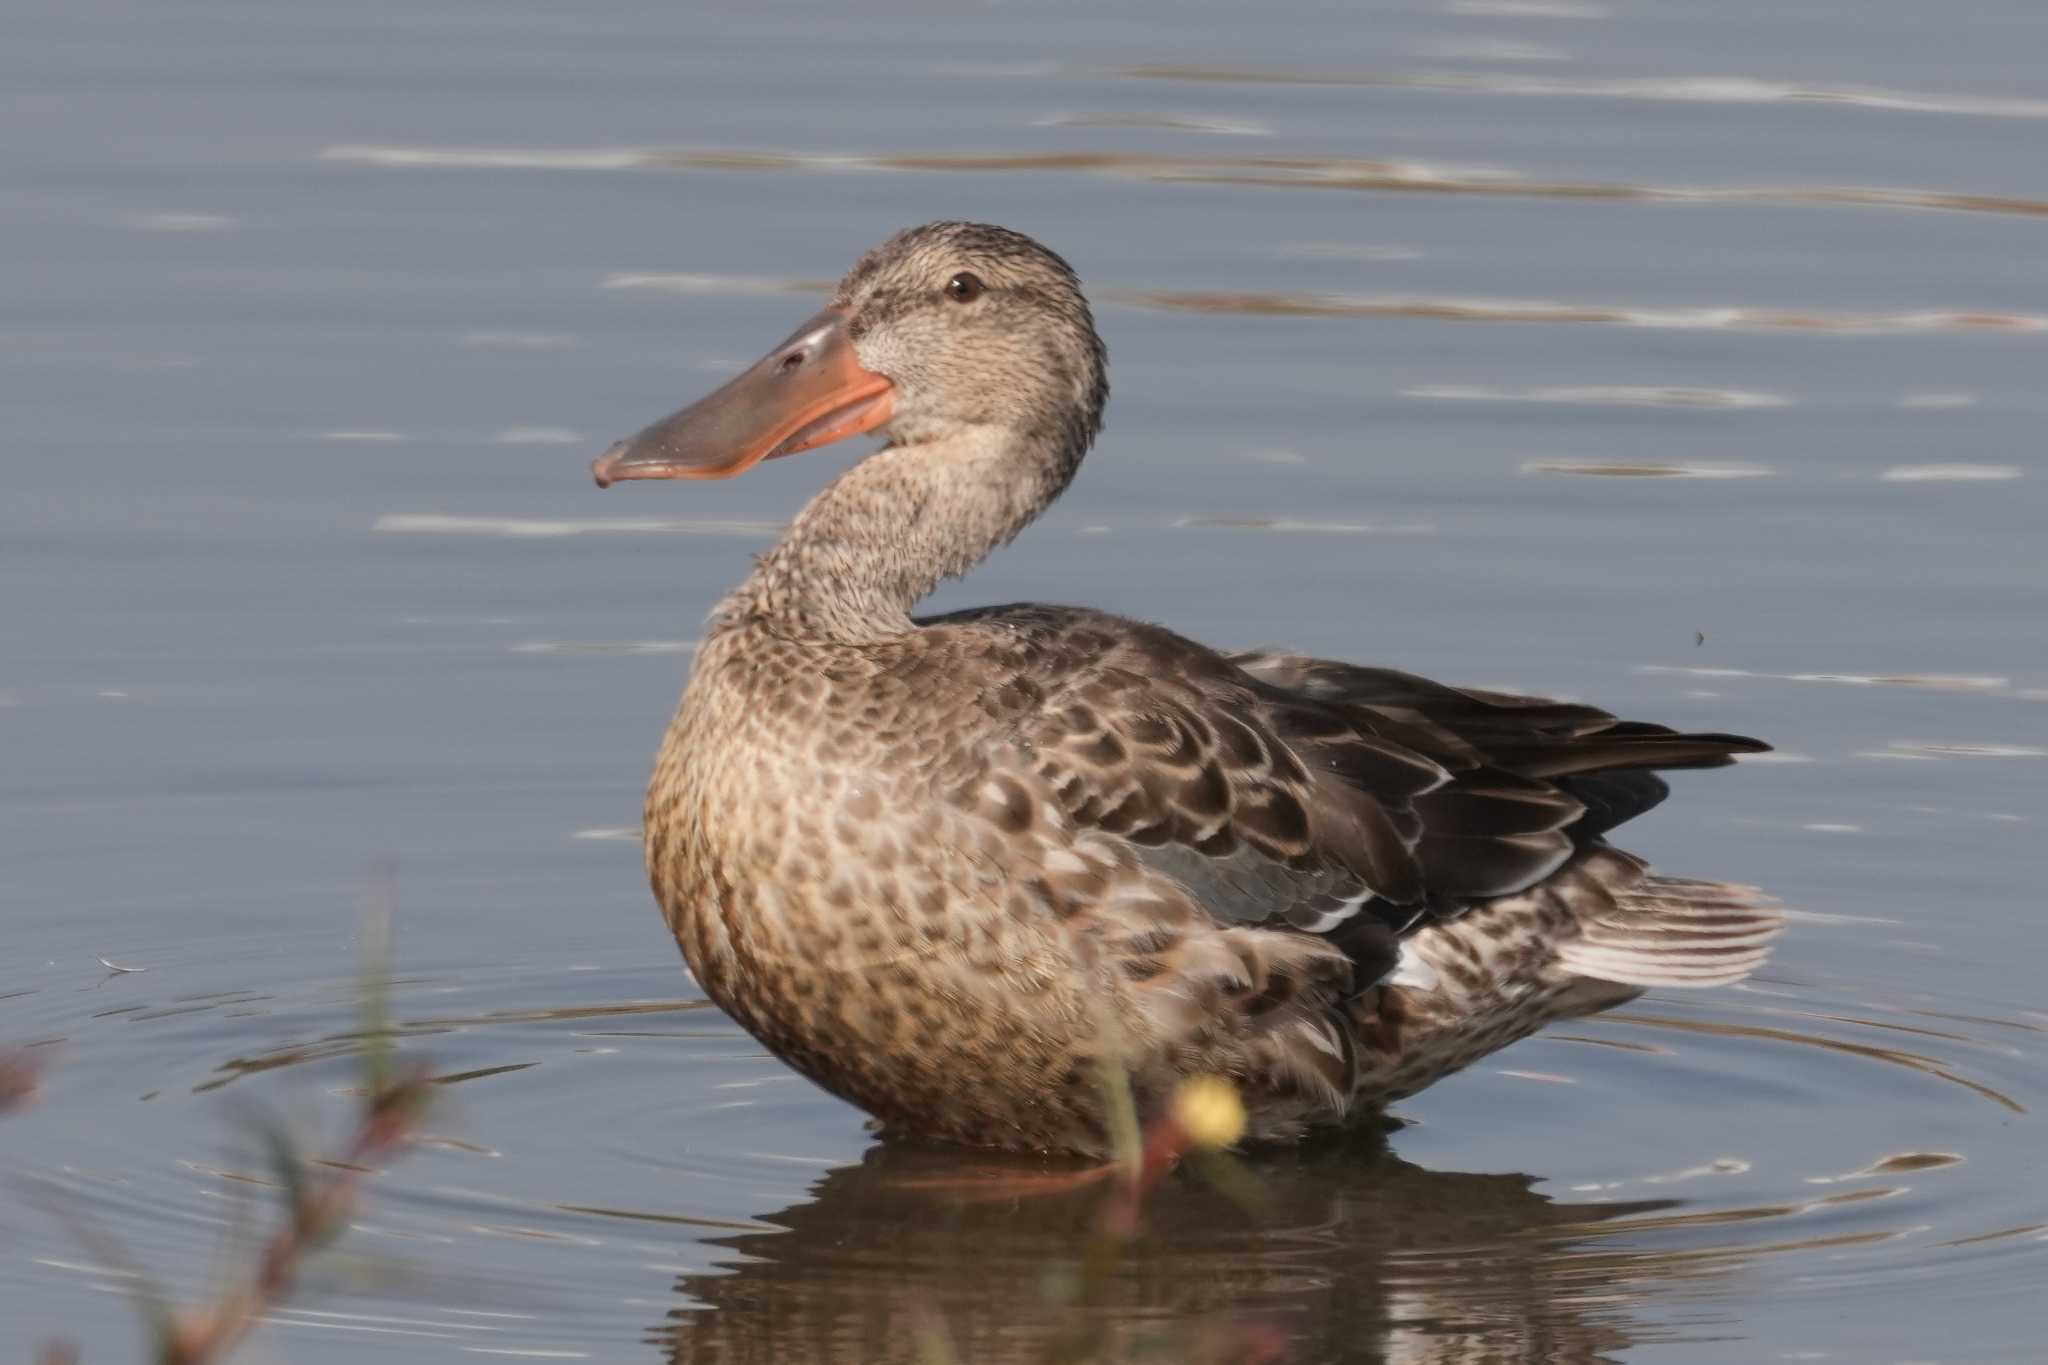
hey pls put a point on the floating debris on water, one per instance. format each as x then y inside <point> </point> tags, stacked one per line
<point>1893,1165</point>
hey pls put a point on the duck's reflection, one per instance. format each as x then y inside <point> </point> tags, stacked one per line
<point>1355,1256</point>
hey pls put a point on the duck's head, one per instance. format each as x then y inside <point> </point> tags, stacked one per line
<point>945,331</point>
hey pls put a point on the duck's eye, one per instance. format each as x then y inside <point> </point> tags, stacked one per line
<point>965,287</point>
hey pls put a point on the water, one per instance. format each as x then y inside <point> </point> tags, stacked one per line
<point>315,315</point>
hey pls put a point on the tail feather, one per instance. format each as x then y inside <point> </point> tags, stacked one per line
<point>1675,933</point>
<point>1597,934</point>
<point>1638,930</point>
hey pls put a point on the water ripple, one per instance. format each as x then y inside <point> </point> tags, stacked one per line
<point>1604,395</point>
<point>1643,469</point>
<point>1716,318</point>
<point>541,528</point>
<point>1277,172</point>
<point>1659,89</point>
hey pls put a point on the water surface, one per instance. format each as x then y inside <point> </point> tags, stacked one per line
<point>1681,359</point>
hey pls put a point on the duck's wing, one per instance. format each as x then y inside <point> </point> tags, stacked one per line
<point>1351,803</point>
<point>1606,764</point>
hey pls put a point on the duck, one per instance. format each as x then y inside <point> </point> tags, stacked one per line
<point>956,869</point>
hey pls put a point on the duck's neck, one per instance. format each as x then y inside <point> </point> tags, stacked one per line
<point>886,532</point>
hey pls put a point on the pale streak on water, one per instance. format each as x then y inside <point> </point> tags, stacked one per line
<point>314,314</point>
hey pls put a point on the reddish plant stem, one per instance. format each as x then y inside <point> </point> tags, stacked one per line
<point>1165,1143</point>
<point>205,1335</point>
<point>20,1075</point>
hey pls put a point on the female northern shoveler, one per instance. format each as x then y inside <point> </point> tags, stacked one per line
<point>947,867</point>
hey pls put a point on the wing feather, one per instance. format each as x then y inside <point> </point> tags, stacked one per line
<point>1279,790</point>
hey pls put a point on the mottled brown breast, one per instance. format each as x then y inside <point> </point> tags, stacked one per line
<point>846,897</point>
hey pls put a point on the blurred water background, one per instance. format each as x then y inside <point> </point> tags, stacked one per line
<point>1682,358</point>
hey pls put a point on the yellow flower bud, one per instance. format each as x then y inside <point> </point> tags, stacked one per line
<point>1208,1111</point>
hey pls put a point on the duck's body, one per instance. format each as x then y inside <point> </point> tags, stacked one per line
<point>952,868</point>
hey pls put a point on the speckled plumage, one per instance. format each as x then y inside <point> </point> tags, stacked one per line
<point>949,867</point>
